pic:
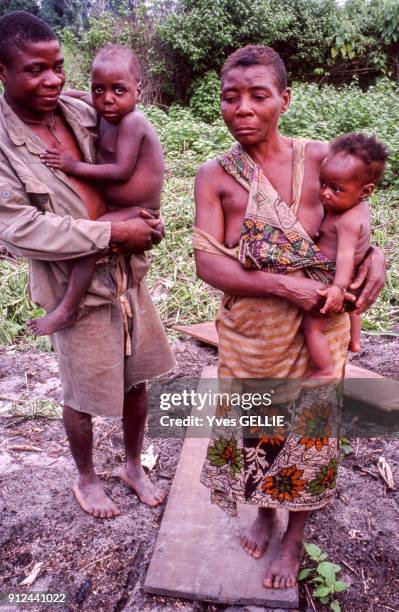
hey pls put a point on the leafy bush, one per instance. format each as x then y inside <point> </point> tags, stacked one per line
<point>204,101</point>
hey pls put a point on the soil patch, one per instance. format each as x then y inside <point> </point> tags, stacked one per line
<point>101,564</point>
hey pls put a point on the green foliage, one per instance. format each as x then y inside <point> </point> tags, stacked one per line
<point>64,13</point>
<point>7,6</point>
<point>345,446</point>
<point>204,101</point>
<point>323,576</point>
<point>187,142</point>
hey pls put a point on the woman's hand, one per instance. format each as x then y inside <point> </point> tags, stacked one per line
<point>301,291</point>
<point>371,275</point>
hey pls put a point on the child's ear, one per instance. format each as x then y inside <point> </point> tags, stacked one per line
<point>139,88</point>
<point>367,190</point>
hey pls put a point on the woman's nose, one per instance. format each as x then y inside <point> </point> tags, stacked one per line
<point>244,107</point>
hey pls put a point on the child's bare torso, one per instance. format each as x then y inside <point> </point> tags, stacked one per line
<point>359,218</point>
<point>144,187</point>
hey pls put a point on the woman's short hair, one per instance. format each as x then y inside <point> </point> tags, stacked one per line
<point>19,28</point>
<point>253,55</point>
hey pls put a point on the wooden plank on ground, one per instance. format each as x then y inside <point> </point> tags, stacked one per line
<point>204,332</point>
<point>197,554</point>
<point>361,384</point>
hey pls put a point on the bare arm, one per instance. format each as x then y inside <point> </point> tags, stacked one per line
<point>85,96</point>
<point>130,137</point>
<point>371,275</point>
<point>227,274</point>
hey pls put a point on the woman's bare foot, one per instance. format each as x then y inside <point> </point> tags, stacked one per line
<point>283,571</point>
<point>256,539</point>
<point>137,479</point>
<point>92,498</point>
<point>52,322</point>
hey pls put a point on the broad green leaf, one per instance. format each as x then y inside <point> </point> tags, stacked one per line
<point>304,573</point>
<point>341,586</point>
<point>334,605</point>
<point>312,550</point>
<point>328,569</point>
<point>322,591</point>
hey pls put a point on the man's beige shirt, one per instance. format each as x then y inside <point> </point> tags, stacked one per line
<point>42,217</point>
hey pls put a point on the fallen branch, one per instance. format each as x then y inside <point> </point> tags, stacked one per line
<point>25,447</point>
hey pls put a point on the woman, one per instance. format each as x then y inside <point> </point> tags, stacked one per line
<point>259,323</point>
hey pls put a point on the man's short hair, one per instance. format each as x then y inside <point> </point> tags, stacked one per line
<point>253,55</point>
<point>19,28</point>
<point>115,52</point>
<point>372,152</point>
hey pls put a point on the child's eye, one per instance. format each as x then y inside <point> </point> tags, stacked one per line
<point>119,90</point>
<point>97,90</point>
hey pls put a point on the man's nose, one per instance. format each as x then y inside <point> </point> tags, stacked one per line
<point>53,80</point>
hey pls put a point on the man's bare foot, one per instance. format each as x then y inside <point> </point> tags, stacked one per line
<point>92,498</point>
<point>52,322</point>
<point>256,539</point>
<point>283,571</point>
<point>137,479</point>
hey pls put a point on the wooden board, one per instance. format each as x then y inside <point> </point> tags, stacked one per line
<point>361,385</point>
<point>197,553</point>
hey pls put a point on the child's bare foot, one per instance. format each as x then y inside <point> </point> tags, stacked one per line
<point>354,346</point>
<point>137,479</point>
<point>283,571</point>
<point>256,539</point>
<point>52,322</point>
<point>93,500</point>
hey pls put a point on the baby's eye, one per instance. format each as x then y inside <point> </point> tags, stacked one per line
<point>97,90</point>
<point>120,90</point>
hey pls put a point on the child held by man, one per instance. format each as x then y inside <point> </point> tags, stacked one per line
<point>348,175</point>
<point>130,165</point>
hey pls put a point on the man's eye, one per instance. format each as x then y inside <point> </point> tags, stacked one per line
<point>59,68</point>
<point>35,71</point>
<point>230,99</point>
<point>260,97</point>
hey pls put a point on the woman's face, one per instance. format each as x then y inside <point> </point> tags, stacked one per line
<point>251,103</point>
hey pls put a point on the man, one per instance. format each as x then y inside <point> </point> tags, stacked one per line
<point>106,357</point>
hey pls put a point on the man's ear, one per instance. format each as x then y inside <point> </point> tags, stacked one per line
<point>367,191</point>
<point>286,99</point>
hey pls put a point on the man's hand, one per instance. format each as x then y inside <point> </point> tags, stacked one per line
<point>371,275</point>
<point>55,159</point>
<point>138,234</point>
<point>334,299</point>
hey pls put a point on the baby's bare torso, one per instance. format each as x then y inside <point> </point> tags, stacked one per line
<point>144,186</point>
<point>359,218</point>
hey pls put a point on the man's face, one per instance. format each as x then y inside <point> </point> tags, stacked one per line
<point>35,78</point>
<point>114,88</point>
<point>251,103</point>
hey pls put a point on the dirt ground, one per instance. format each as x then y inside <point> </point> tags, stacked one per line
<point>101,564</point>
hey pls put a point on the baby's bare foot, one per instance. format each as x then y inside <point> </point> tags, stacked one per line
<point>93,500</point>
<point>52,322</point>
<point>283,571</point>
<point>137,479</point>
<point>256,539</point>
